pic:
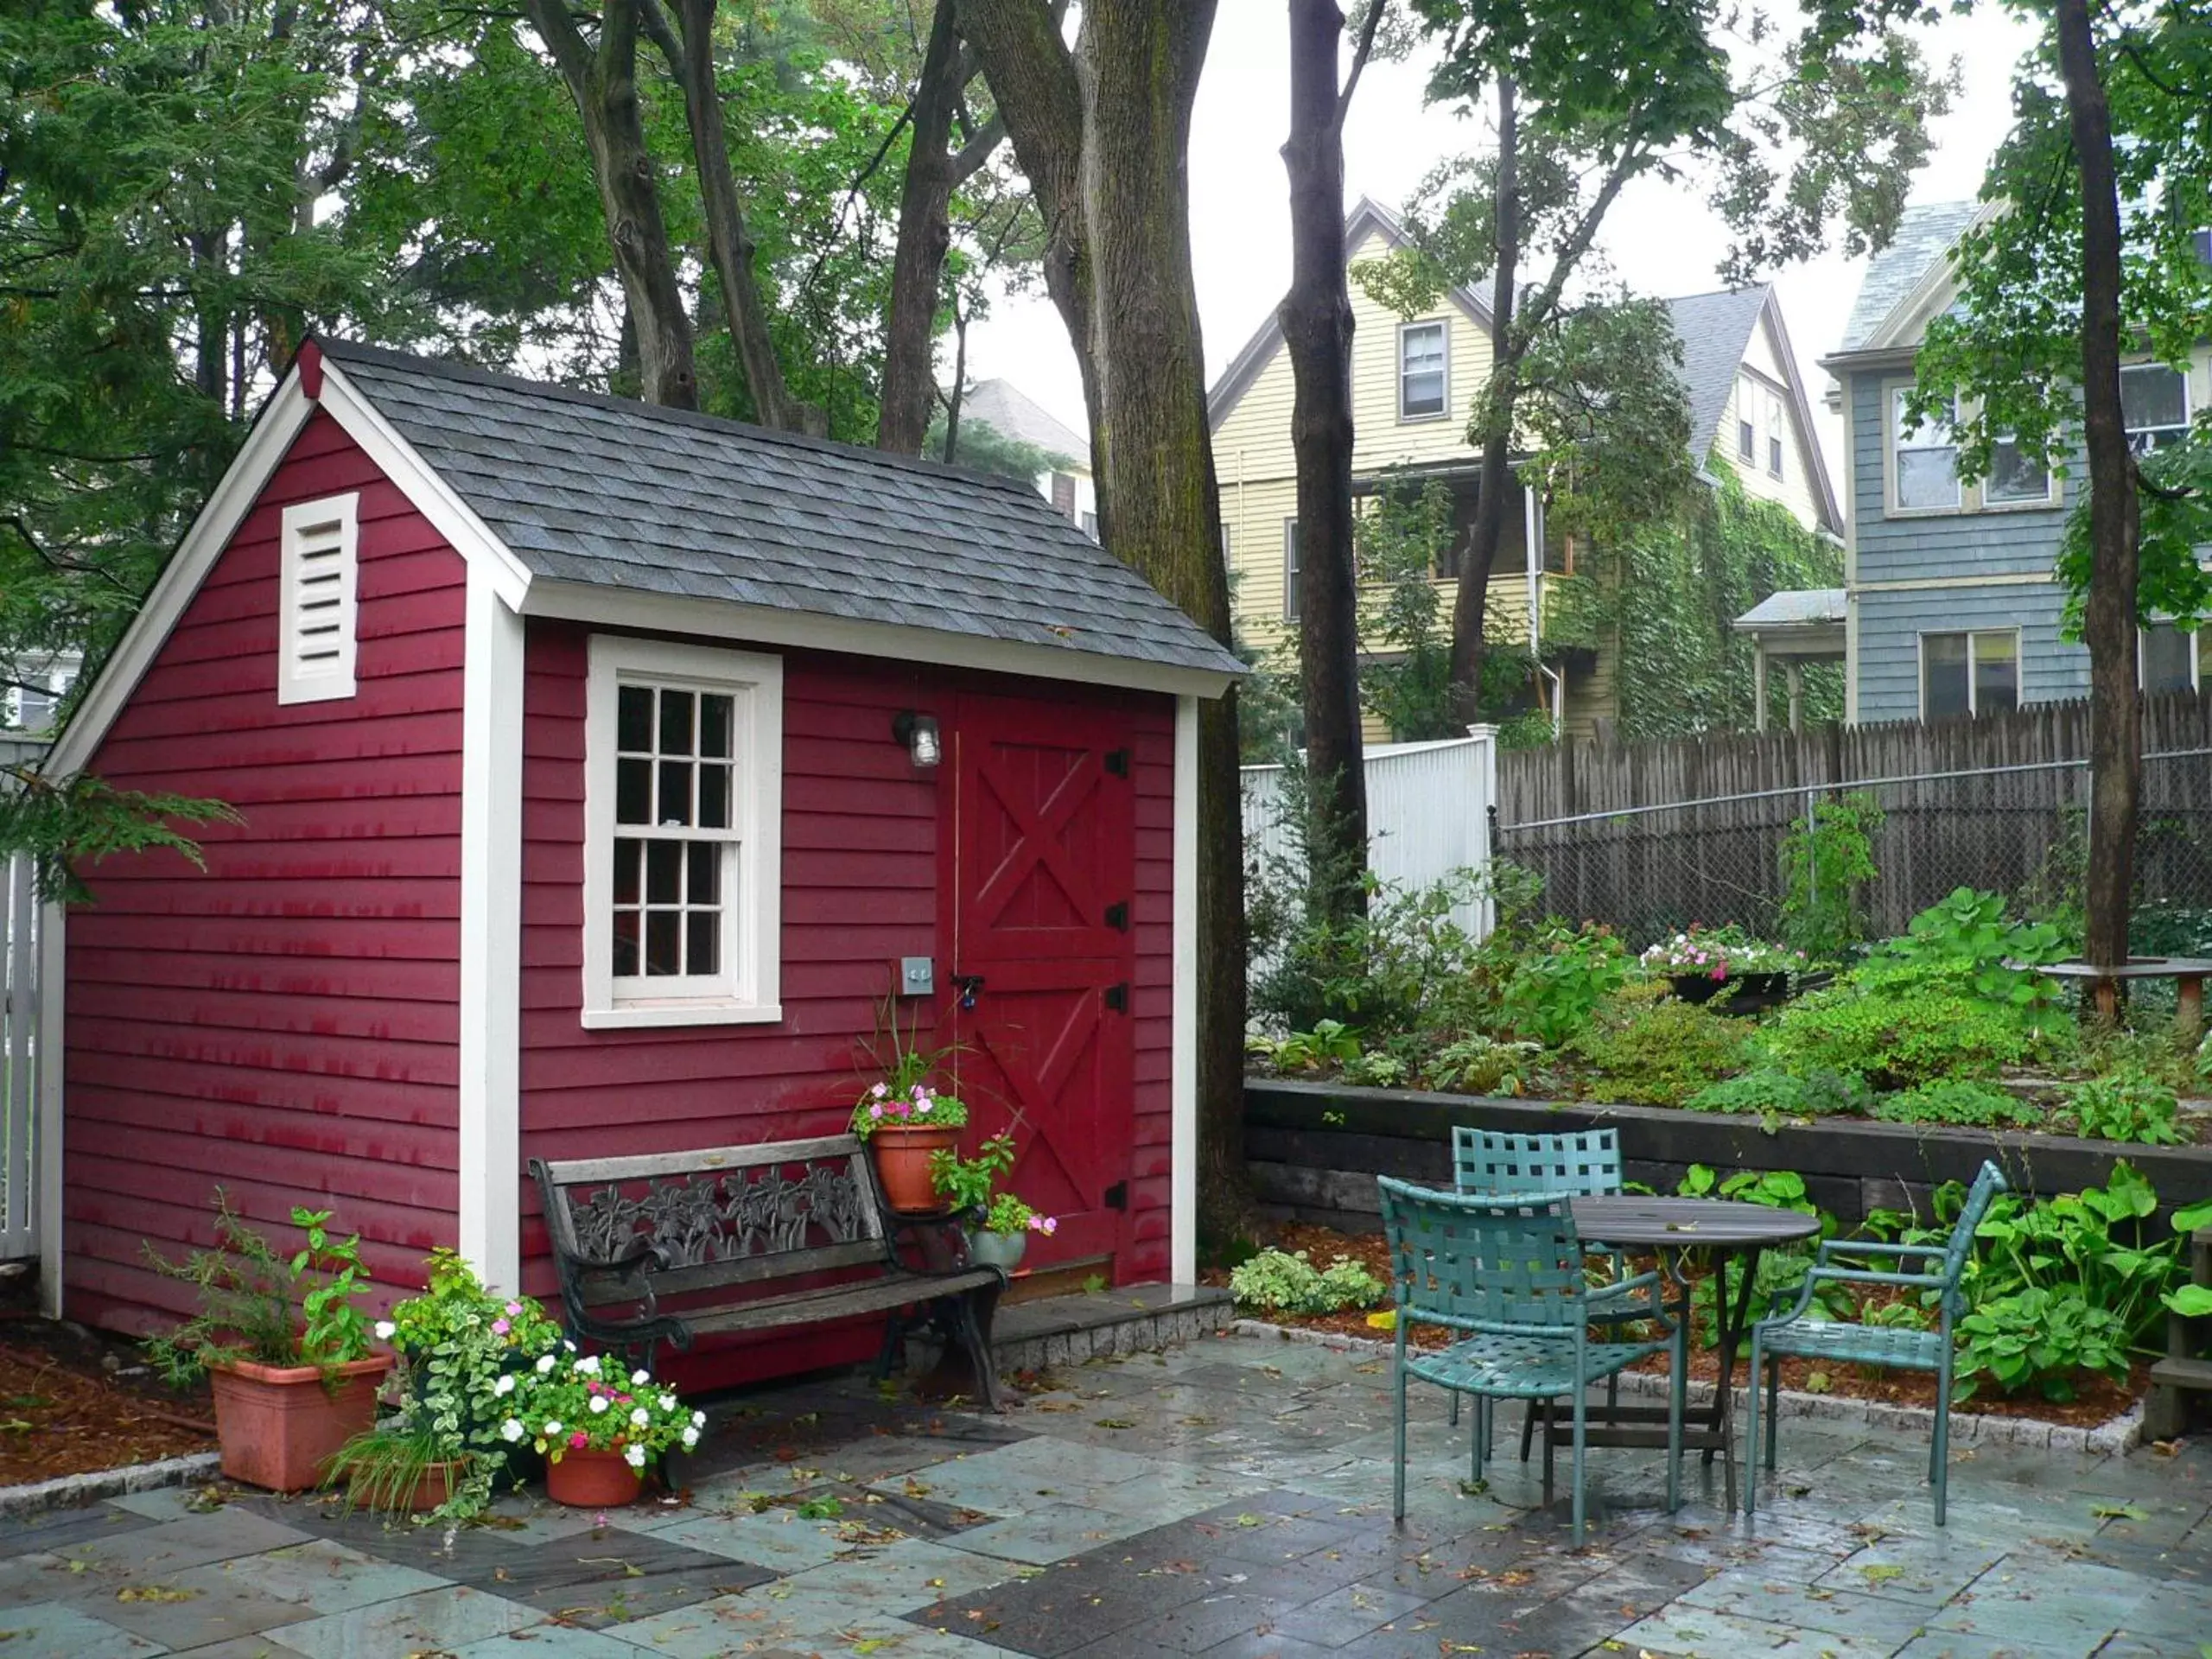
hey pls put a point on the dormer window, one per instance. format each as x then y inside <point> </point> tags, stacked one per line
<point>318,606</point>
<point>1423,372</point>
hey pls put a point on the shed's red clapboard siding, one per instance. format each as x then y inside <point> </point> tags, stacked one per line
<point>861,870</point>
<point>285,1022</point>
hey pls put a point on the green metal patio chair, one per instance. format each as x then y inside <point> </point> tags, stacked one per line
<point>1791,1334</point>
<point>1509,1273</point>
<point>1587,1164</point>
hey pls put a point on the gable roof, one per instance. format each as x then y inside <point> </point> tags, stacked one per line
<point>1715,330</point>
<point>601,492</point>
<point>1368,218</point>
<point>1011,412</point>
<point>1926,231</point>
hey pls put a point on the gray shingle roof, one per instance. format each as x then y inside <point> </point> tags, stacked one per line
<point>1007,409</point>
<point>1799,605</point>
<point>1714,328</point>
<point>1925,233</point>
<point>607,492</point>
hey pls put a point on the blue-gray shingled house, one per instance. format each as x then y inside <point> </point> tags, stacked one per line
<point>1949,606</point>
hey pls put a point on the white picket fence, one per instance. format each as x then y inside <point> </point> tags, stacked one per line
<point>19,929</point>
<point>1428,814</point>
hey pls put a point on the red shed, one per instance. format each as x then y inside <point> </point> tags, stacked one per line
<point>583,815</point>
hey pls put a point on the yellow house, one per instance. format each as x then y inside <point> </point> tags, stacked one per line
<point>1414,382</point>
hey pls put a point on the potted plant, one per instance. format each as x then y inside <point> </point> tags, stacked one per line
<point>462,1351</point>
<point>283,1342</point>
<point>905,1132</point>
<point>1700,964</point>
<point>597,1428</point>
<point>997,1224</point>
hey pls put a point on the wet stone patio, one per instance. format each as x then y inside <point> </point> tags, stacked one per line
<point>1231,1499</point>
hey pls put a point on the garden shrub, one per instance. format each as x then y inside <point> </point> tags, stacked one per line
<point>1960,1103</point>
<point>1543,983</point>
<point>1278,1282</point>
<point>1962,942</point>
<point>1662,1053</point>
<point>1482,1065</point>
<point>1899,1040</point>
<point>2127,1106</point>
<point>1828,858</point>
<point>1769,1091</point>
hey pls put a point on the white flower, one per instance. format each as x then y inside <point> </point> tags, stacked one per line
<point>503,1386</point>
<point>640,1377</point>
<point>634,1456</point>
<point>668,1402</point>
<point>698,1418</point>
<point>545,1364</point>
<point>641,1417</point>
<point>386,1330</point>
<point>598,1404</point>
<point>511,1430</point>
<point>691,1439</point>
<point>588,1365</point>
<point>551,1430</point>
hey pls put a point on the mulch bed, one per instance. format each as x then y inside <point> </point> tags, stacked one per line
<point>73,1401</point>
<point>2097,1401</point>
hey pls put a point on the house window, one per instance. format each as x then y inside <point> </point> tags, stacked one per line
<point>2015,476</point>
<point>1459,533</point>
<point>683,810</point>
<point>1290,570</point>
<point>1089,522</point>
<point>1969,673</point>
<point>1774,435</point>
<point>1925,468</point>
<point>1422,393</point>
<point>2153,406</point>
<point>1747,449</point>
<point>318,600</point>
<point>2171,660</point>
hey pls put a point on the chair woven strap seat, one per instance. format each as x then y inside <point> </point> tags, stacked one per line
<point>1857,1344</point>
<point>1524,1368</point>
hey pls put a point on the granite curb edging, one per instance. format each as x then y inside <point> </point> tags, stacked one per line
<point>68,1492</point>
<point>2122,1435</point>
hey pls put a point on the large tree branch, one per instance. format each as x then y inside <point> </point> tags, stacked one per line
<point>1360,55</point>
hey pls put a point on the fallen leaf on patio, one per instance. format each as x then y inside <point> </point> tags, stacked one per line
<point>1473,1488</point>
<point>1385,1320</point>
<point>1517,1578</point>
<point>1056,1405</point>
<point>153,1593</point>
<point>870,1643</point>
<point>1881,1574</point>
<point>1818,1383</point>
<point>1028,1572</point>
<point>1114,1422</point>
<point>1250,1520</point>
<point>2119,1512</point>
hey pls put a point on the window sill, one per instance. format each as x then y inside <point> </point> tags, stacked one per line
<point>1924,512</point>
<point>2048,504</point>
<point>1424,420</point>
<point>639,1016</point>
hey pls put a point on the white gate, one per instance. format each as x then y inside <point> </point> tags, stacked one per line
<point>19,941</point>
<point>1428,813</point>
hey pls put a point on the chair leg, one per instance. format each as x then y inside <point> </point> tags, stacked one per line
<point>1581,1416</point>
<point>1454,1419</point>
<point>1773,1405</point>
<point>1475,1439</point>
<point>1752,1429</point>
<point>1528,1427</point>
<point>1679,1387</point>
<point>1547,1448</point>
<point>1939,1455</point>
<point>1398,1450</point>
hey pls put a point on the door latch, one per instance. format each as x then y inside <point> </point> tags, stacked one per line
<point>1117,917</point>
<point>1117,998</point>
<point>966,985</point>
<point>1117,1195</point>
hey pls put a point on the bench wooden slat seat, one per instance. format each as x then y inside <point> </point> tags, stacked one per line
<point>674,1246</point>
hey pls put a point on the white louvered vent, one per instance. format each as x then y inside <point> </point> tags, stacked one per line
<point>315,642</point>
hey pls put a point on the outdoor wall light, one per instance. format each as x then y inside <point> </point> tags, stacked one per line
<point>918,733</point>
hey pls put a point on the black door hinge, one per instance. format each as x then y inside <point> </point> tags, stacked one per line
<point>1117,917</point>
<point>1117,1195</point>
<point>1117,998</point>
<point>1117,762</point>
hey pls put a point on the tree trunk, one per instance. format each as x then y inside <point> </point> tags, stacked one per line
<point>2109,620</point>
<point>1103,137</point>
<point>1495,420</point>
<point>603,82</point>
<point>959,392</point>
<point>729,244</point>
<point>924,234</point>
<point>1316,328</point>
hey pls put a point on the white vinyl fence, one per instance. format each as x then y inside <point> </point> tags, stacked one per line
<point>19,921</point>
<point>1428,813</point>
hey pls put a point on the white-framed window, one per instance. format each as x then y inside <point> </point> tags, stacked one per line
<point>318,602</point>
<point>683,832</point>
<point>1774,435</point>
<point>1747,420</point>
<point>1290,570</point>
<point>2016,478</point>
<point>1969,673</point>
<point>1924,461</point>
<point>1424,372</point>
<point>2171,660</point>
<point>2153,405</point>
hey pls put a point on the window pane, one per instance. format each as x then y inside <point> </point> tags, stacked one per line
<point>1927,478</point>
<point>2167,656</point>
<point>1935,433</point>
<point>663,870</point>
<point>625,943</point>
<point>634,721</point>
<point>1290,571</point>
<point>1943,675</point>
<point>663,935</point>
<point>702,942</point>
<point>1996,674</point>
<point>626,855</point>
<point>2153,404</point>
<point>1746,447</point>
<point>716,719</point>
<point>2013,476</point>
<point>1774,457</point>
<point>676,722</point>
<point>703,875</point>
<point>1424,394</point>
<point>674,806</point>
<point>633,792</point>
<point>714,796</point>
<point>1420,370</point>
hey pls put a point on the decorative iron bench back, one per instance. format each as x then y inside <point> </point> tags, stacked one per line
<point>715,1217</point>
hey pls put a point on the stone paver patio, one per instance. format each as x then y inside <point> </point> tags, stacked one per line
<point>1231,1499</point>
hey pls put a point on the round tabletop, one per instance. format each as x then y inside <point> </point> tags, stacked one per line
<point>1721,1224</point>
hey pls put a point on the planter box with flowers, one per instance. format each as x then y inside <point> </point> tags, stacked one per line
<point>996,1225</point>
<point>1700,966</point>
<point>905,1132</point>
<point>597,1428</point>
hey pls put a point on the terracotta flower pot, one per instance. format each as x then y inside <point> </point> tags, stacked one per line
<point>432,1489</point>
<point>902,1165</point>
<point>592,1480</point>
<point>278,1425</point>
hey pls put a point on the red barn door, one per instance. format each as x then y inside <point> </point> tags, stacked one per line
<point>1041,863</point>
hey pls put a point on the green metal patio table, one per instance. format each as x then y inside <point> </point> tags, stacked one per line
<point>1711,1231</point>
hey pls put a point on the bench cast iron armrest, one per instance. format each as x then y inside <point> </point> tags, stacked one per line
<point>649,1325</point>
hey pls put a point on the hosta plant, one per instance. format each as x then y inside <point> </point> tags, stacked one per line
<point>1279,1282</point>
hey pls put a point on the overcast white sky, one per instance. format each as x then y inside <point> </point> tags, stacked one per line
<point>1661,242</point>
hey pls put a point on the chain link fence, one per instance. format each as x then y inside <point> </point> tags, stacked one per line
<point>2018,829</point>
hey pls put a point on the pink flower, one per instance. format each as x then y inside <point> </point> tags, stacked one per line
<point>1719,970</point>
<point>875,1111</point>
<point>579,1441</point>
<point>499,1327</point>
<point>513,1308</point>
<point>921,1105</point>
<point>1051,1225</point>
<point>880,1091</point>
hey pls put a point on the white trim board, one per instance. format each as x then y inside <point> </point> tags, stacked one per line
<point>1183,1038</point>
<point>53,921</point>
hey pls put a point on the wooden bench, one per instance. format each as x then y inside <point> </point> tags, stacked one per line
<point>674,1246</point>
